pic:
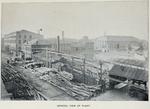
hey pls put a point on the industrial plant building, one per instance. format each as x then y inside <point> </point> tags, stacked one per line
<point>14,41</point>
<point>108,43</point>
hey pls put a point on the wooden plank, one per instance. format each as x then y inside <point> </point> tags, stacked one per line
<point>125,82</point>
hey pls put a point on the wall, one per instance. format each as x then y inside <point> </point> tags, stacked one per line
<point>24,36</point>
<point>114,43</point>
<point>27,50</point>
<point>10,43</point>
<point>100,44</point>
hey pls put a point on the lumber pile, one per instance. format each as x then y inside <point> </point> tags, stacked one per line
<point>16,84</point>
<point>66,75</point>
<point>77,90</point>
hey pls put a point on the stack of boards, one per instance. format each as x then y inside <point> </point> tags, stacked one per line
<point>63,81</point>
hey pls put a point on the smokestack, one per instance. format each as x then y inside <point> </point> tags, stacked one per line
<point>58,44</point>
<point>63,41</point>
<point>63,34</point>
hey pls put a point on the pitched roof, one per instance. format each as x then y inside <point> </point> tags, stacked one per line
<point>130,73</point>
<point>23,30</point>
<point>13,34</point>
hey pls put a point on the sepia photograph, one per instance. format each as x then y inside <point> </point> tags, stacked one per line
<point>75,51</point>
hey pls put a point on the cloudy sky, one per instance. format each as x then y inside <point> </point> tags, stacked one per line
<point>91,19</point>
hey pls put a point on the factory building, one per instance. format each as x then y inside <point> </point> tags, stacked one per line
<point>14,41</point>
<point>39,45</point>
<point>114,43</point>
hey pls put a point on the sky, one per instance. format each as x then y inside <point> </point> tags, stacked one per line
<point>77,19</point>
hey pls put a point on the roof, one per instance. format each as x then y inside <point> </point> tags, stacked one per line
<point>130,73</point>
<point>30,32</point>
<point>119,38</point>
<point>13,34</point>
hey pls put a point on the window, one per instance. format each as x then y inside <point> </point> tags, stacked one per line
<point>25,36</point>
<point>19,41</point>
<point>19,48</point>
<point>37,42</point>
<point>30,37</point>
<point>19,36</point>
<point>76,49</point>
<point>117,45</point>
<point>24,41</point>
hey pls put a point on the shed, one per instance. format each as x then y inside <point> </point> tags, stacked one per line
<point>130,73</point>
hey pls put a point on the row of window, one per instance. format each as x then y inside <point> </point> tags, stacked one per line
<point>25,36</point>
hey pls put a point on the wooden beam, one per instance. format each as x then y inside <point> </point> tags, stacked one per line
<point>130,84</point>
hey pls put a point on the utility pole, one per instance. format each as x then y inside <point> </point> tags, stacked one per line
<point>101,81</point>
<point>72,59</point>
<point>100,73</point>
<point>46,57</point>
<point>100,76</point>
<point>84,69</point>
<point>58,43</point>
<point>51,60</point>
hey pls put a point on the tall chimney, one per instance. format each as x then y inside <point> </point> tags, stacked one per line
<point>58,44</point>
<point>63,41</point>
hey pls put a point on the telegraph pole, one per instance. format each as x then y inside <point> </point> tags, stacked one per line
<point>84,69</point>
<point>101,81</point>
<point>100,77</point>
<point>101,71</point>
<point>46,56</point>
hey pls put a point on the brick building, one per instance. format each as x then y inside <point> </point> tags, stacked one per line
<point>14,41</point>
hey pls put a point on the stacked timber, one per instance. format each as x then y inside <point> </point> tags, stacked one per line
<point>78,91</point>
<point>66,75</point>
<point>16,84</point>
